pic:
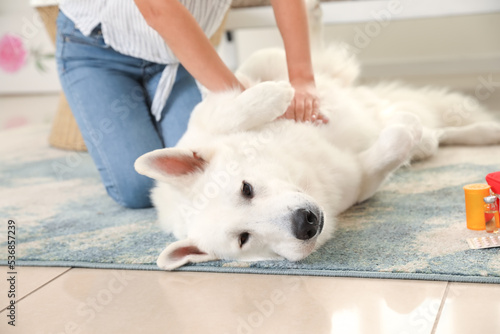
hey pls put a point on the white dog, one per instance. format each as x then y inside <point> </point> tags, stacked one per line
<point>244,185</point>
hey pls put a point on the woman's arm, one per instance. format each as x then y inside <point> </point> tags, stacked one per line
<point>291,18</point>
<point>187,40</point>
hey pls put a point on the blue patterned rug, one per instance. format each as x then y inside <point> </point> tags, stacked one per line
<point>413,228</point>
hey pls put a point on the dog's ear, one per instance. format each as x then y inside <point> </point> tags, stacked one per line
<point>180,253</point>
<point>169,164</point>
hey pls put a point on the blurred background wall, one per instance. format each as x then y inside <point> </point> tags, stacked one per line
<point>453,50</point>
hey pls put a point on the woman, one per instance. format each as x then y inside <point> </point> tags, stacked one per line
<point>128,70</point>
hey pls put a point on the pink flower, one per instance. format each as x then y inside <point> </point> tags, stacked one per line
<point>13,55</point>
<point>15,122</point>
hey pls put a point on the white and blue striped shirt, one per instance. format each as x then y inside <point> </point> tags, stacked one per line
<point>125,30</point>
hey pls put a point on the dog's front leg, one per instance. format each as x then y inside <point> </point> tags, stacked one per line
<point>392,149</point>
<point>256,106</point>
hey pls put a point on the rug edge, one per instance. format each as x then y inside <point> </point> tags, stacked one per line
<point>266,271</point>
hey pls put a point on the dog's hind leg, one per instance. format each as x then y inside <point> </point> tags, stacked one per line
<point>392,149</point>
<point>481,133</point>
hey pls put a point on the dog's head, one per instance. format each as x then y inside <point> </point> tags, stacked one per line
<point>231,186</point>
<point>235,206</point>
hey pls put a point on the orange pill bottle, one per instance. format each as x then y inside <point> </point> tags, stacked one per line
<point>474,205</point>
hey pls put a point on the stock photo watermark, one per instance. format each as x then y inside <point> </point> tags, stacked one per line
<point>11,273</point>
<point>425,316</point>
<point>459,113</point>
<point>89,309</point>
<point>373,28</point>
<point>19,47</point>
<point>263,309</point>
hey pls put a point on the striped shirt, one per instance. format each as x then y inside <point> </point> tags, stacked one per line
<point>126,31</point>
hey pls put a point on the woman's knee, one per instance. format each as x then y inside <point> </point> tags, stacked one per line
<point>132,193</point>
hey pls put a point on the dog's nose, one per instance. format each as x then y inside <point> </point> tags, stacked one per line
<point>305,224</point>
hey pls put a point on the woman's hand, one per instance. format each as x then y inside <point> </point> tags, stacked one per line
<point>305,106</point>
<point>291,18</point>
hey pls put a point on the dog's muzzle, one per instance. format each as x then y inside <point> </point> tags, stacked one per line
<point>307,223</point>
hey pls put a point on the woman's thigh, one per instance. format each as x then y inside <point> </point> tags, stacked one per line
<point>184,97</point>
<point>104,91</point>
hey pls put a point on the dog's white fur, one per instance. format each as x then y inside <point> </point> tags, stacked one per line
<point>234,137</point>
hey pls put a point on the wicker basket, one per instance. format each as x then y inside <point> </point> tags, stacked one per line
<point>65,133</point>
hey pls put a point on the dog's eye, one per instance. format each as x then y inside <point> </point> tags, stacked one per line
<point>247,189</point>
<point>243,238</point>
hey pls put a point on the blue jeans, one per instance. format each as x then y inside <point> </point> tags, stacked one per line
<point>110,95</point>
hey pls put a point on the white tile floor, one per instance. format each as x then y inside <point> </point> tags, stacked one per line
<point>73,300</point>
<point>64,300</point>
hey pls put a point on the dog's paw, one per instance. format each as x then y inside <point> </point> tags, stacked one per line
<point>428,145</point>
<point>397,142</point>
<point>281,92</point>
<point>265,101</point>
<point>410,121</point>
